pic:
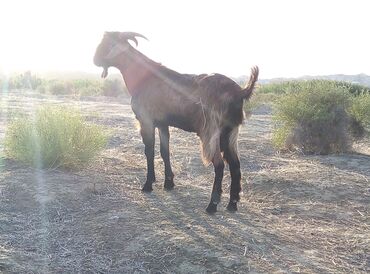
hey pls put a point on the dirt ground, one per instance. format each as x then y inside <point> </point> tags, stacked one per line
<point>298,214</point>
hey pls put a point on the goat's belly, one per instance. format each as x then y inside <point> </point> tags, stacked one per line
<point>179,121</point>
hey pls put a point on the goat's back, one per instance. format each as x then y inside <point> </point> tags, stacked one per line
<point>189,101</point>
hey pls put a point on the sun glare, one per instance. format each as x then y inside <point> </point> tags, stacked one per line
<point>285,38</point>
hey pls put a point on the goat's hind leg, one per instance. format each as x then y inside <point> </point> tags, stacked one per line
<point>217,184</point>
<point>147,133</point>
<point>235,187</point>
<point>229,145</point>
<point>164,137</point>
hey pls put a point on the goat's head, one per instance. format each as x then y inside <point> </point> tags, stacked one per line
<point>113,45</point>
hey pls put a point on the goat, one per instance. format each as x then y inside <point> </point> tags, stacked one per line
<point>209,105</point>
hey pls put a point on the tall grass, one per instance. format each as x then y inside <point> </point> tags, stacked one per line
<point>89,86</point>
<point>360,114</point>
<point>313,119</point>
<point>83,87</point>
<point>54,137</point>
<point>319,116</point>
<point>298,85</point>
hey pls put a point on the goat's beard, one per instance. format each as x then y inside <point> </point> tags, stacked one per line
<point>104,74</point>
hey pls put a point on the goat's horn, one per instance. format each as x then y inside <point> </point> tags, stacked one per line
<point>131,36</point>
<point>133,39</point>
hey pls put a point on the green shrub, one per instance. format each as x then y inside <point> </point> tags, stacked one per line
<point>24,80</point>
<point>313,118</point>
<point>280,87</point>
<point>59,88</point>
<point>113,88</point>
<point>354,89</point>
<point>83,87</point>
<point>360,114</point>
<point>297,85</point>
<point>54,137</point>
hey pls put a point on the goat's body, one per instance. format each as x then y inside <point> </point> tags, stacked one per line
<point>209,105</point>
<point>188,106</point>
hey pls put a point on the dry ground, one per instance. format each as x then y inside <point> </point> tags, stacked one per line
<point>298,214</point>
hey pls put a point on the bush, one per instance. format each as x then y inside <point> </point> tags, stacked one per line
<point>280,87</point>
<point>54,137</point>
<point>113,88</point>
<point>297,85</point>
<point>83,87</point>
<point>59,88</point>
<point>354,89</point>
<point>313,118</point>
<point>360,115</point>
<point>24,81</point>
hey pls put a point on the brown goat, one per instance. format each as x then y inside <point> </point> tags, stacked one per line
<point>209,105</point>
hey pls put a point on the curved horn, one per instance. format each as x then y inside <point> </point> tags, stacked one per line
<point>131,36</point>
<point>133,39</point>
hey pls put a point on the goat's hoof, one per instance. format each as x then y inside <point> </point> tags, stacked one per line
<point>169,185</point>
<point>211,208</point>
<point>232,207</point>
<point>147,188</point>
<point>215,198</point>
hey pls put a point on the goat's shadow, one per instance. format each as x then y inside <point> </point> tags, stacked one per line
<point>219,225</point>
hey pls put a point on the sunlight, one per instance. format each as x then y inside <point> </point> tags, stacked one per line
<point>278,36</point>
<point>4,117</point>
<point>41,190</point>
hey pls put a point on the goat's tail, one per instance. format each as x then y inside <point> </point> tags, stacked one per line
<point>248,90</point>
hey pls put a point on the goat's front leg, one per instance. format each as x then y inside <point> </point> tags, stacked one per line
<point>164,137</point>
<point>217,184</point>
<point>147,133</point>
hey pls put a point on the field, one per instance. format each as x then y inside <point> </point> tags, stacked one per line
<point>298,214</point>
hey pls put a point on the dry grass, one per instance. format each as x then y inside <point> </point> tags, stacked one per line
<point>307,214</point>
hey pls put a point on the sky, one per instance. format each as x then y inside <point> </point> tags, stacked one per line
<point>285,38</point>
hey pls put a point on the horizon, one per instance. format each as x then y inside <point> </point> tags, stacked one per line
<point>70,74</point>
<point>297,39</point>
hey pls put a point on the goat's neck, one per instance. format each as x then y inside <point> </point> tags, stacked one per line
<point>136,70</point>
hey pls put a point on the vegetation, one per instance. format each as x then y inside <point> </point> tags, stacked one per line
<point>319,116</point>
<point>83,87</point>
<point>54,137</point>
<point>58,86</point>
<point>360,115</point>
<point>297,85</point>
<point>24,81</point>
<point>313,119</point>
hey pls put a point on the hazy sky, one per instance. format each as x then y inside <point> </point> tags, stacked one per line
<point>284,38</point>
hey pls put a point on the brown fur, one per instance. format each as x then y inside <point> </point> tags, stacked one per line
<point>210,105</point>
